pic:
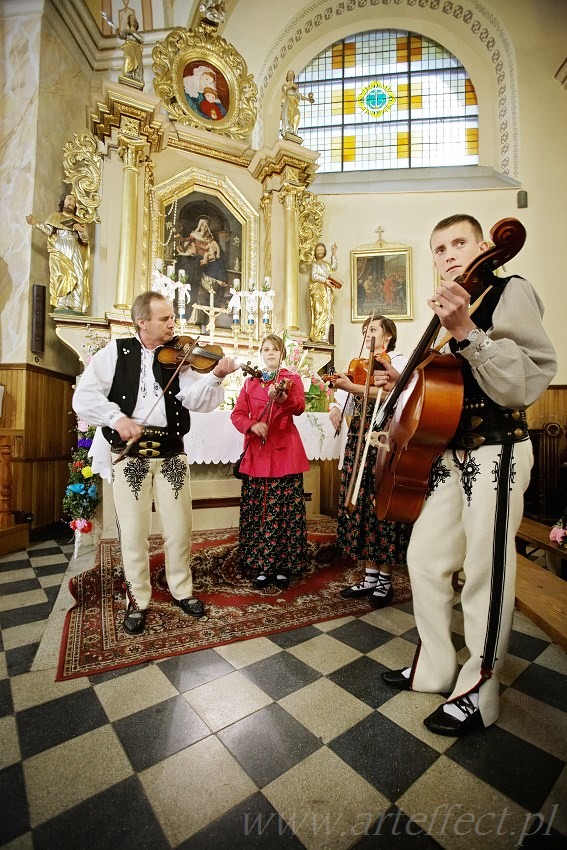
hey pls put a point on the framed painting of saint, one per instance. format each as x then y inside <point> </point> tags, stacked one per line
<point>381,281</point>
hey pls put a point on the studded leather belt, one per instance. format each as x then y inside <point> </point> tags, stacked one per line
<point>483,425</point>
<point>154,442</point>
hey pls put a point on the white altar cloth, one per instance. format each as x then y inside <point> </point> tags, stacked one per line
<point>214,439</point>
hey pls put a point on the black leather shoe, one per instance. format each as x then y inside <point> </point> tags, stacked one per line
<point>381,601</point>
<point>134,621</point>
<point>282,581</point>
<point>355,590</point>
<point>444,724</point>
<point>261,581</point>
<point>396,679</point>
<point>193,607</point>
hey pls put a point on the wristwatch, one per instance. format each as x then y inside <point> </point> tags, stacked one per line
<point>473,336</point>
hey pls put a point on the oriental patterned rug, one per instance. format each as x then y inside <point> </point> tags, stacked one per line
<point>94,640</point>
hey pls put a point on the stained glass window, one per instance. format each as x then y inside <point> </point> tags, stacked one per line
<point>389,99</point>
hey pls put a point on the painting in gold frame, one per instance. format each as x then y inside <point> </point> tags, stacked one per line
<point>179,206</point>
<point>203,81</point>
<point>381,281</point>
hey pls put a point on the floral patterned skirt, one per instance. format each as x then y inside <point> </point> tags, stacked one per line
<point>360,534</point>
<point>273,527</point>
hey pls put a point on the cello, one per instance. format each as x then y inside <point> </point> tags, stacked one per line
<point>420,425</point>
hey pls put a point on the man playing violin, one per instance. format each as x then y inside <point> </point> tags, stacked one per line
<point>474,503</point>
<point>122,392</point>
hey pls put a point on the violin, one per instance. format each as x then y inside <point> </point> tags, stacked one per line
<point>358,369</point>
<point>283,386</point>
<point>201,357</point>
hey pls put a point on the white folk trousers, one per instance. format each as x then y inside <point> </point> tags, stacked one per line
<point>137,482</point>
<point>469,521</point>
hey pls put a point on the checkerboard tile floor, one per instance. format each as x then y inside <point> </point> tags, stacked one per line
<point>290,741</point>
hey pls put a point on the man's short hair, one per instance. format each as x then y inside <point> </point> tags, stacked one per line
<point>457,219</point>
<point>142,306</point>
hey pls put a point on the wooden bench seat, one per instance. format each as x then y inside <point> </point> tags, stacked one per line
<point>536,534</point>
<point>542,596</point>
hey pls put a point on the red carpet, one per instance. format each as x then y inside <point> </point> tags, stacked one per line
<point>94,640</point>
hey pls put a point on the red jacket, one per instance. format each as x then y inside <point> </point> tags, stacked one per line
<point>283,452</point>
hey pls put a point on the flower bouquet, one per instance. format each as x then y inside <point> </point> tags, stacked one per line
<point>83,490</point>
<point>317,392</point>
<point>558,533</point>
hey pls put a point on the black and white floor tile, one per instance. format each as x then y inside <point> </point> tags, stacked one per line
<point>290,741</point>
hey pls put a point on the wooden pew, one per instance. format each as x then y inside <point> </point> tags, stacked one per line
<point>542,596</point>
<point>534,535</point>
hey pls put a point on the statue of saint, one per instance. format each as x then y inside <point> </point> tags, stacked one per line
<point>291,96</point>
<point>213,11</point>
<point>128,27</point>
<point>321,292</point>
<point>68,247</point>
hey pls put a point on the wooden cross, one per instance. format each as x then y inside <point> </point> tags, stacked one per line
<point>211,311</point>
<point>380,231</point>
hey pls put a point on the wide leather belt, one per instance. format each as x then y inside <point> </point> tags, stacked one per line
<point>154,442</point>
<point>483,425</point>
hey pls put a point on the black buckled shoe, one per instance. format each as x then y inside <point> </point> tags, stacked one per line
<point>378,600</point>
<point>134,621</point>
<point>356,590</point>
<point>192,606</point>
<point>281,581</point>
<point>396,679</point>
<point>445,724</point>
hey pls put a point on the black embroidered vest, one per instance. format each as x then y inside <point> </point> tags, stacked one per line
<point>125,387</point>
<point>483,422</point>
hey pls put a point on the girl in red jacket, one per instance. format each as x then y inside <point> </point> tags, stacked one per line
<point>273,532</point>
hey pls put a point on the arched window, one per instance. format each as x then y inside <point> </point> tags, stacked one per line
<point>389,99</point>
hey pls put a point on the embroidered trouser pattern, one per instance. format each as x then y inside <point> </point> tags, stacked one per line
<point>469,520</point>
<point>137,482</point>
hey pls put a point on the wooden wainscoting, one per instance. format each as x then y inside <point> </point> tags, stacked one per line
<point>38,419</point>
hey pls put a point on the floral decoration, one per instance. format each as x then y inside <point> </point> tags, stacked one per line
<point>83,490</point>
<point>558,533</point>
<point>296,359</point>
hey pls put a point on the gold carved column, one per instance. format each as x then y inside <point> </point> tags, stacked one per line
<point>130,123</point>
<point>131,151</point>
<point>290,194</point>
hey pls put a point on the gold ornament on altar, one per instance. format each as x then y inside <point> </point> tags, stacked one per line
<point>82,165</point>
<point>310,225</point>
<point>203,81</point>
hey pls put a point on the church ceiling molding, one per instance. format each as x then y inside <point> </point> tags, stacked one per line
<point>479,26</point>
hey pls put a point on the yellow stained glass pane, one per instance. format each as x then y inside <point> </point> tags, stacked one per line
<point>403,96</point>
<point>416,47</point>
<point>349,148</point>
<point>401,50</point>
<point>470,94</point>
<point>471,141</point>
<point>350,54</point>
<point>402,145</point>
<point>337,56</point>
<point>349,101</point>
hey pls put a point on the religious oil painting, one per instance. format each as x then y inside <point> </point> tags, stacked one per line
<point>381,282</point>
<point>205,249</point>
<point>206,90</point>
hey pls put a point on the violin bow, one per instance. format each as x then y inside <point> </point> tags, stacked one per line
<point>270,404</point>
<point>368,441</point>
<point>338,431</point>
<point>126,450</point>
<point>348,498</point>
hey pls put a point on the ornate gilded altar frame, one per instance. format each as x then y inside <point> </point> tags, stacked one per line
<point>178,59</point>
<point>165,195</point>
<point>381,280</point>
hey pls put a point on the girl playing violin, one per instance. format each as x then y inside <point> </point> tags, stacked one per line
<point>273,530</point>
<point>376,544</point>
